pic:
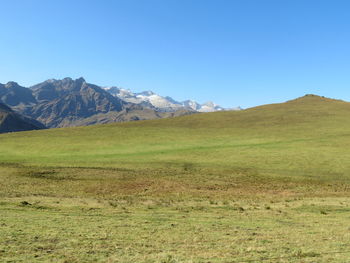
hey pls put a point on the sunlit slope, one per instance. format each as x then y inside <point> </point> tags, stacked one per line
<point>309,136</point>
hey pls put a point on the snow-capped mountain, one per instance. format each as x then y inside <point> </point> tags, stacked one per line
<point>146,98</point>
<point>192,105</point>
<point>205,107</point>
<point>160,103</point>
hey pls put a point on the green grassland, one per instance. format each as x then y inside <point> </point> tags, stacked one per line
<point>267,184</point>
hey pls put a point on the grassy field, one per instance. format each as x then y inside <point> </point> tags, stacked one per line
<point>267,184</point>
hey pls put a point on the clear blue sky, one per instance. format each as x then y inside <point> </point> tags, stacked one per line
<point>234,52</point>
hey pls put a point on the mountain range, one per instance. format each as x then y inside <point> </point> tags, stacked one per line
<point>67,102</point>
<point>165,104</point>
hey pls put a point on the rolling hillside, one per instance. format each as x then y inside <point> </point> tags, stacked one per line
<point>266,184</point>
<point>290,132</point>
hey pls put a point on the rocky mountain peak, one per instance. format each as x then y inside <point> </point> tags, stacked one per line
<point>11,84</point>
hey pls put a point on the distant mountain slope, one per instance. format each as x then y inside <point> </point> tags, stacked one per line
<point>12,122</point>
<point>131,114</point>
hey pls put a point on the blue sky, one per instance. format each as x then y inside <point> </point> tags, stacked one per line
<point>234,52</point>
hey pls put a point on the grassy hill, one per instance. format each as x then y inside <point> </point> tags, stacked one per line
<point>263,184</point>
<point>303,135</point>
